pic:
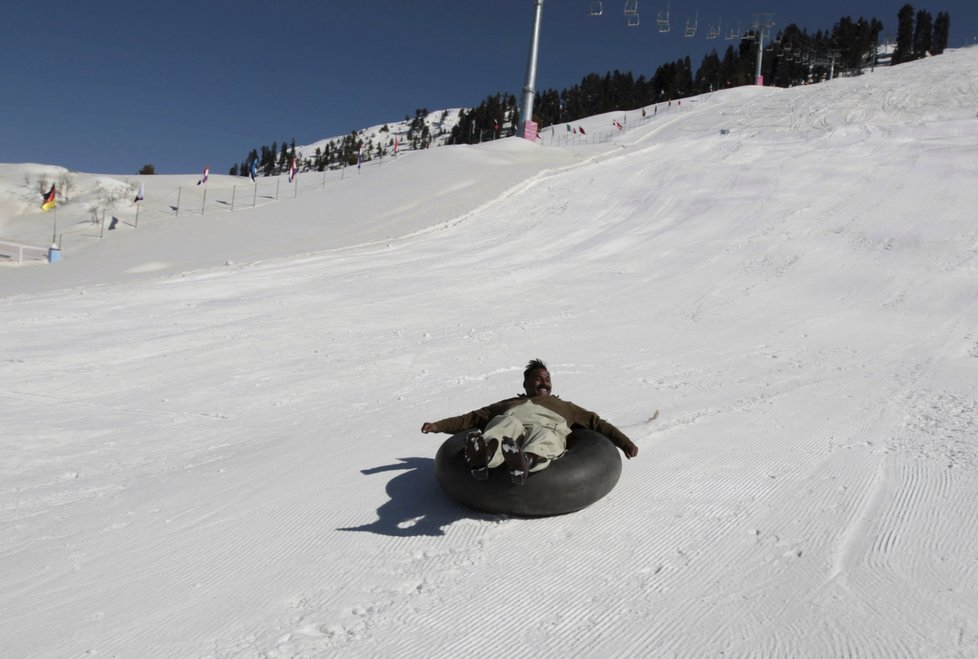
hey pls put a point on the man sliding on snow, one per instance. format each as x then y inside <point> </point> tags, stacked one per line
<point>531,429</point>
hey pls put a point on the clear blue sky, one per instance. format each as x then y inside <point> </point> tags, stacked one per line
<point>107,86</point>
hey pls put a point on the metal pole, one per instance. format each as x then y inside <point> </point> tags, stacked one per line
<point>531,71</point>
<point>758,78</point>
<point>179,192</point>
<point>762,23</point>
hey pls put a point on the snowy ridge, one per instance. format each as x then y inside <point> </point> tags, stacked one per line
<point>211,443</point>
<point>439,123</point>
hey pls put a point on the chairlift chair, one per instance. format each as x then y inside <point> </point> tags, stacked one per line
<point>663,20</point>
<point>691,25</point>
<point>632,20</point>
<point>595,8</point>
<point>631,7</point>
<point>714,30</point>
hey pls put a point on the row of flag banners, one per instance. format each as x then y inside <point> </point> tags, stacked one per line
<point>49,199</point>
<point>49,202</point>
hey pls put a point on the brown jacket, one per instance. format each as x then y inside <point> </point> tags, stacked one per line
<point>575,416</point>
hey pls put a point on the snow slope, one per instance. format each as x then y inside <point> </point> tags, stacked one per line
<point>211,439</point>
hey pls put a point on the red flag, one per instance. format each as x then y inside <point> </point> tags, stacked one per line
<point>203,179</point>
<point>581,128</point>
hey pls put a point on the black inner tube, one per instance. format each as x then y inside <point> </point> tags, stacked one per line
<point>588,471</point>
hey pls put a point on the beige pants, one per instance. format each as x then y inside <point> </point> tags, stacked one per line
<point>543,432</point>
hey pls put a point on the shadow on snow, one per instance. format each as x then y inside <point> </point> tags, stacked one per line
<point>417,505</point>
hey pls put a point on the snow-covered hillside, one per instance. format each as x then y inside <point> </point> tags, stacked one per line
<point>211,440</point>
<point>439,125</point>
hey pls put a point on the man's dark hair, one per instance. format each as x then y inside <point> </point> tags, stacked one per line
<point>532,366</point>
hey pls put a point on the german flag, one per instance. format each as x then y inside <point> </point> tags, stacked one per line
<point>48,202</point>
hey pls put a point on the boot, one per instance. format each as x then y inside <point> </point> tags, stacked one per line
<point>516,461</point>
<point>476,455</point>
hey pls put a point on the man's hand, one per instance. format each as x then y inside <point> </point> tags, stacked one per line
<point>427,427</point>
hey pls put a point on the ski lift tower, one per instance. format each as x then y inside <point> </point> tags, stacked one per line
<point>526,114</point>
<point>762,24</point>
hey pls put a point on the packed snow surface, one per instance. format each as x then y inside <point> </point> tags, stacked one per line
<point>211,415</point>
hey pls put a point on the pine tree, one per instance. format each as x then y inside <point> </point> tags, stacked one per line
<point>708,75</point>
<point>268,159</point>
<point>283,158</point>
<point>904,41</point>
<point>923,31</point>
<point>942,29</point>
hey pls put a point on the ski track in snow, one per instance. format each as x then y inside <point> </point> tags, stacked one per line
<point>226,462</point>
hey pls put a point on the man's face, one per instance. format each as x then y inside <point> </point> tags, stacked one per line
<point>537,382</point>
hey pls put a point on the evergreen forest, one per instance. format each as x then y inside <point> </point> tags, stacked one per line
<point>791,57</point>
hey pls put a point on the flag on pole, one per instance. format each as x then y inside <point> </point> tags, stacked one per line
<point>253,170</point>
<point>48,202</point>
<point>359,157</point>
<point>203,179</point>
<point>292,171</point>
<point>617,124</point>
<point>581,128</point>
<point>569,129</point>
<point>141,193</point>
